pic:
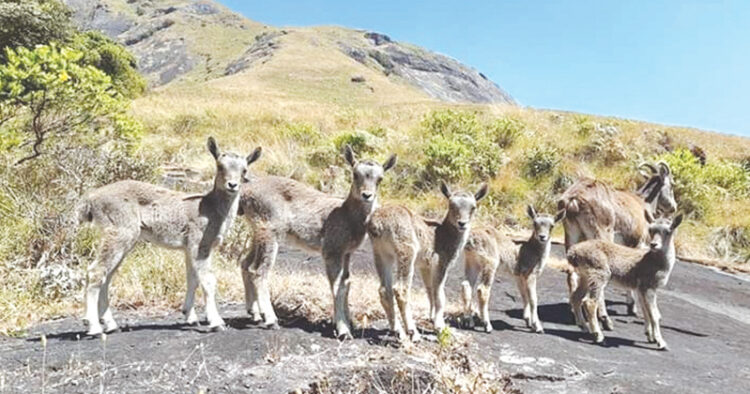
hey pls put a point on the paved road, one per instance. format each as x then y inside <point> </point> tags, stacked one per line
<point>706,321</point>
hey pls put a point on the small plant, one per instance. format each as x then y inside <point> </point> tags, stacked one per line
<point>583,125</point>
<point>186,124</point>
<point>505,131</point>
<point>445,338</point>
<point>541,161</point>
<point>605,145</point>
<point>304,133</point>
<point>361,141</point>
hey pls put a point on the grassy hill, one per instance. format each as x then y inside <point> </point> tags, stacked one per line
<point>178,40</point>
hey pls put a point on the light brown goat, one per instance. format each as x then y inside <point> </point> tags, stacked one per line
<point>401,240</point>
<point>280,208</point>
<point>595,210</point>
<point>598,262</point>
<point>487,250</point>
<point>128,211</point>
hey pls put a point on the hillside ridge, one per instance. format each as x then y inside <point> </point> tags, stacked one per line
<point>179,40</point>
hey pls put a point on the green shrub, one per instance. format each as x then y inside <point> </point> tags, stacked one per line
<point>583,125</point>
<point>505,131</point>
<point>113,59</point>
<point>697,186</point>
<point>541,161</point>
<point>447,159</point>
<point>459,147</point>
<point>28,23</point>
<point>378,131</point>
<point>304,133</point>
<point>449,122</point>
<point>361,141</point>
<point>50,97</point>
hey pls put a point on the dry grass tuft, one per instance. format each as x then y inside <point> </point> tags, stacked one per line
<point>301,292</point>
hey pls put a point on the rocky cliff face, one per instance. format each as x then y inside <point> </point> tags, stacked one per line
<point>202,40</point>
<point>438,75</point>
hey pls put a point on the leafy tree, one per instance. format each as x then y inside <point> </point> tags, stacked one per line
<point>112,58</point>
<point>27,23</point>
<point>49,96</point>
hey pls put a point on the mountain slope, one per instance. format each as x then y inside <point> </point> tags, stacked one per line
<point>201,40</point>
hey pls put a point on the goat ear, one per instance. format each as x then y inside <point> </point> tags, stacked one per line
<point>560,215</point>
<point>251,158</point>
<point>482,192</point>
<point>676,221</point>
<point>647,214</point>
<point>664,169</point>
<point>349,156</point>
<point>390,163</point>
<point>445,189</point>
<point>530,211</point>
<point>213,147</point>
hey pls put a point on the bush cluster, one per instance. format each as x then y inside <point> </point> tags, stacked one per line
<point>698,187</point>
<point>459,147</point>
<point>541,161</point>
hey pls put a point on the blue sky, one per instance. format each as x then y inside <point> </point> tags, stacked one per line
<point>675,62</point>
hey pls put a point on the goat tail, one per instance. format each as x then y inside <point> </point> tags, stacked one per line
<point>84,211</point>
<point>375,229</point>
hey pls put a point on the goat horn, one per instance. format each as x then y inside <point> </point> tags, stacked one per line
<point>664,167</point>
<point>649,166</point>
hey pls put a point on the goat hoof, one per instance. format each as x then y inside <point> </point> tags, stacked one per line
<point>662,346</point>
<point>342,332</point>
<point>254,317</point>
<point>608,324</point>
<point>111,330</point>
<point>599,338</point>
<point>344,336</point>
<point>488,328</point>
<point>218,328</point>
<point>415,336</point>
<point>271,325</point>
<point>94,332</point>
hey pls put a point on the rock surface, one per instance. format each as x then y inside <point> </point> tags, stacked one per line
<point>438,75</point>
<point>706,321</point>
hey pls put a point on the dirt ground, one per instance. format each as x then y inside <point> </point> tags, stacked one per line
<point>706,322</point>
